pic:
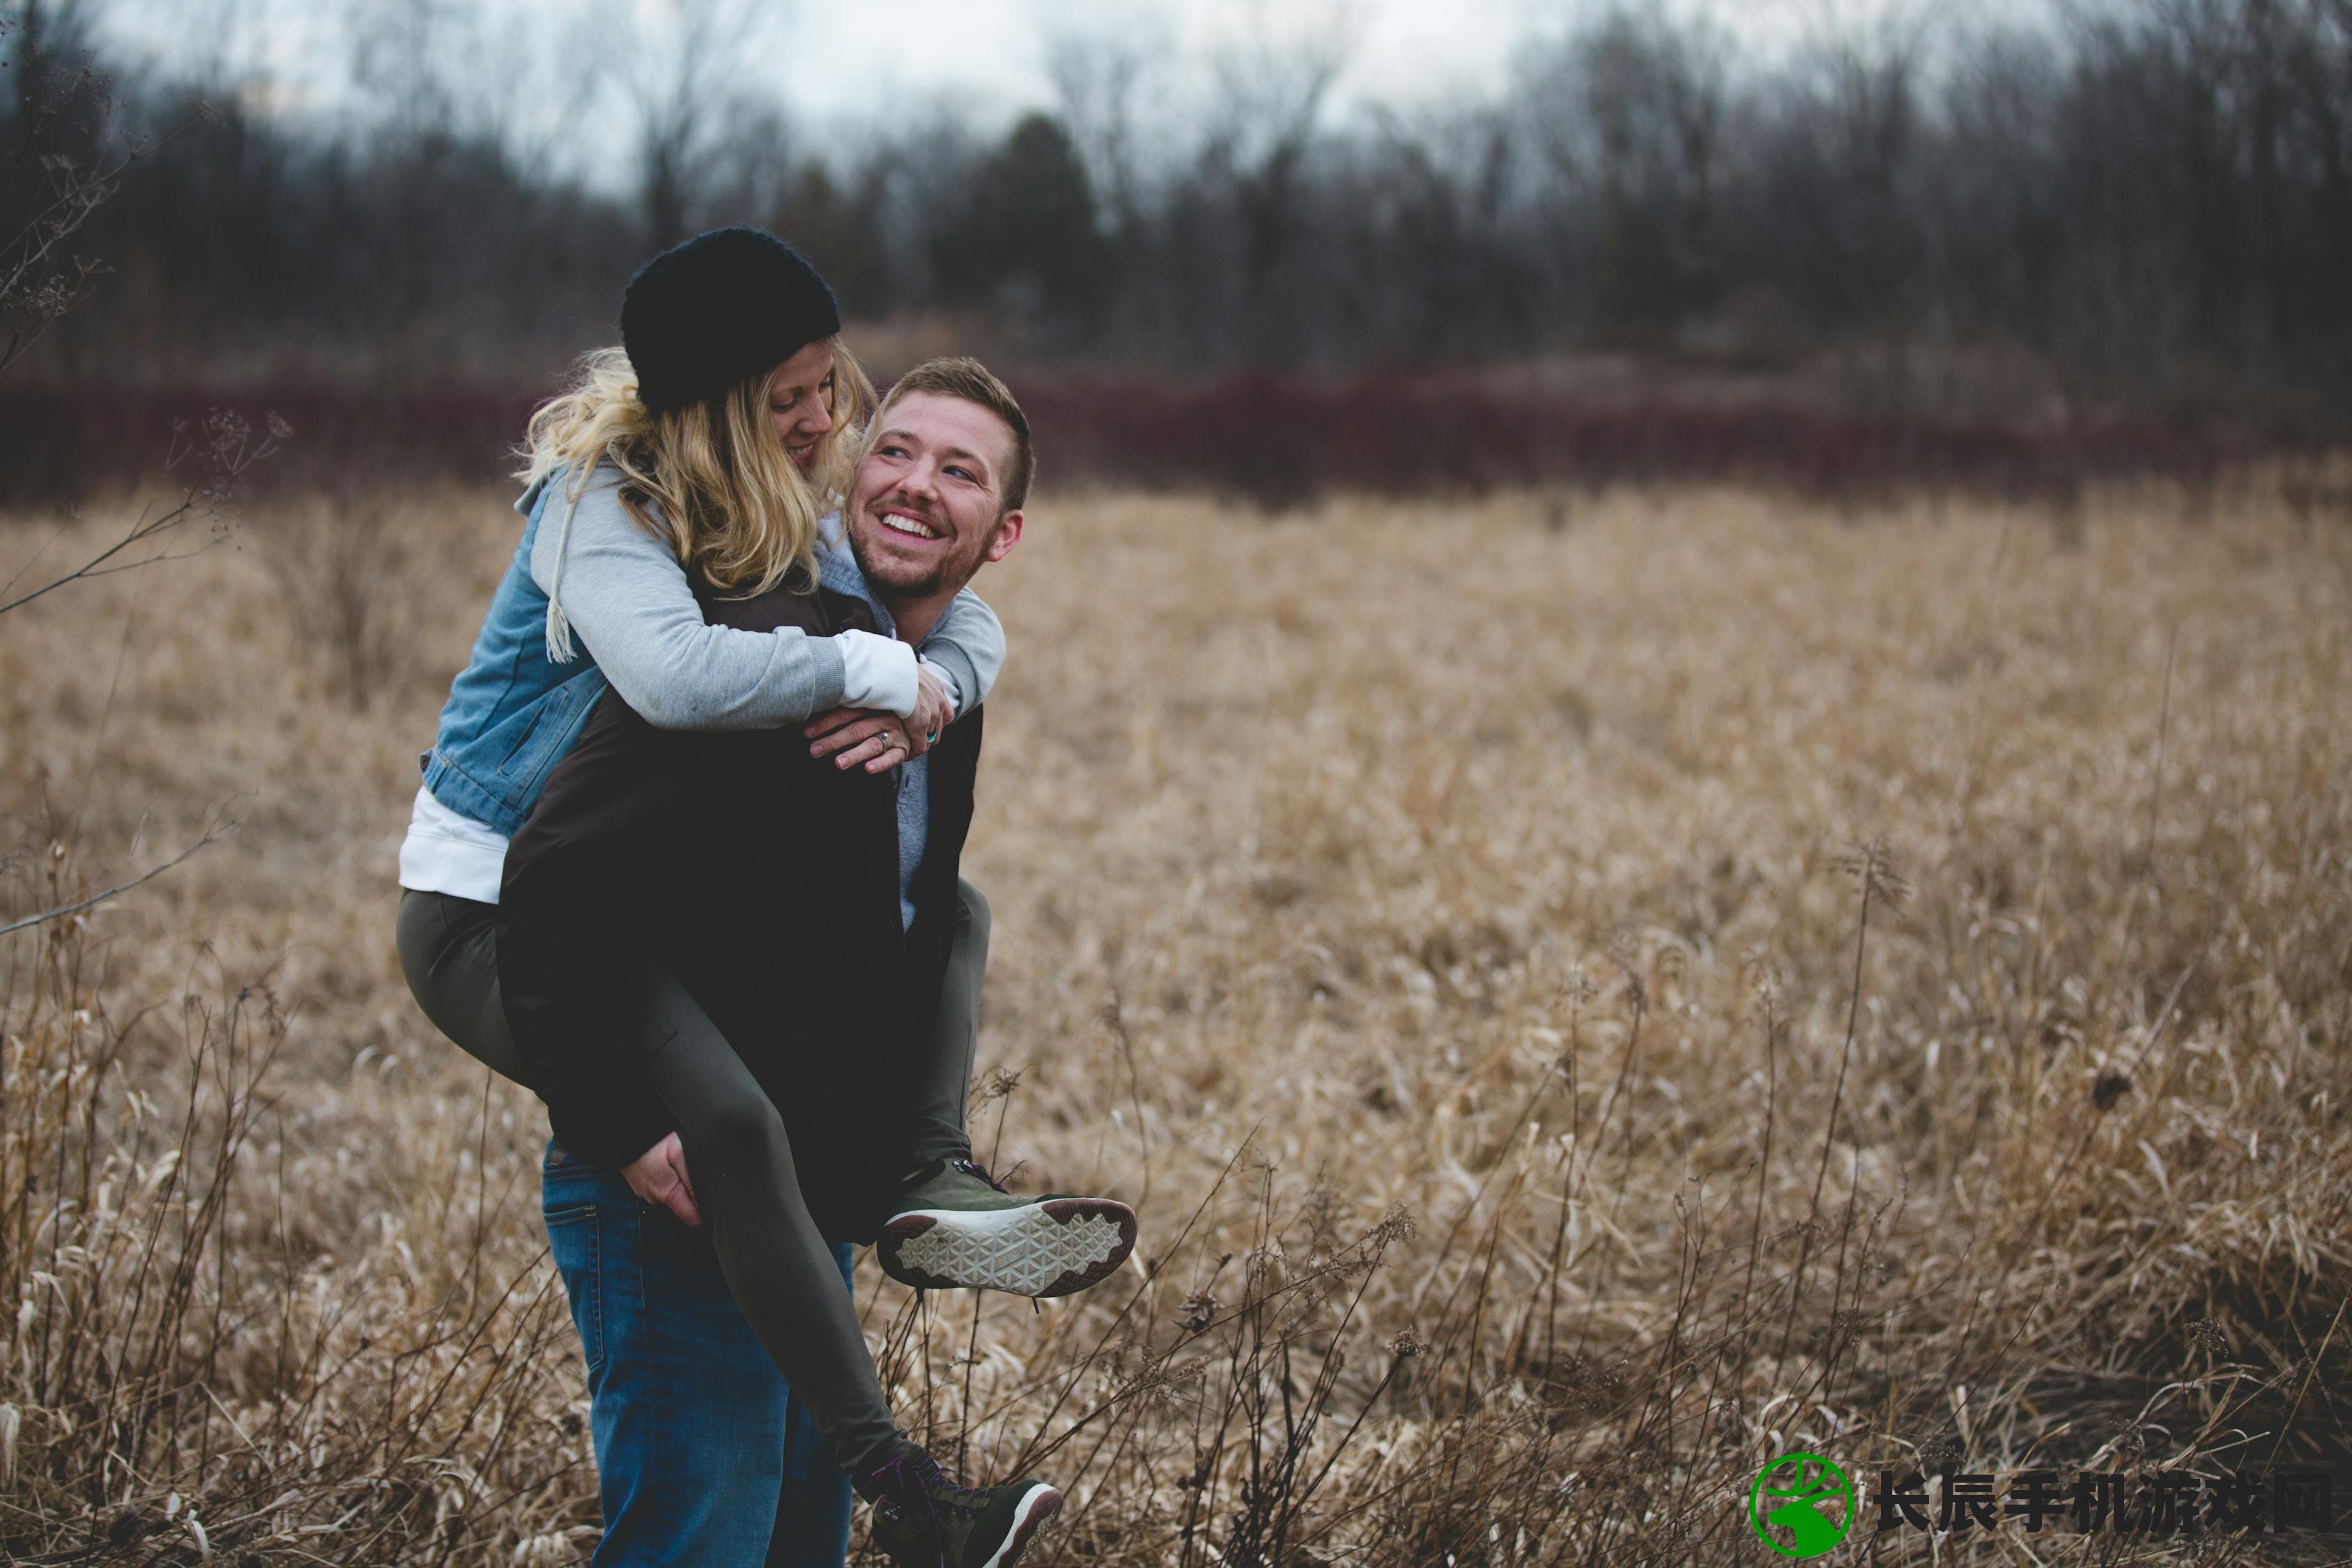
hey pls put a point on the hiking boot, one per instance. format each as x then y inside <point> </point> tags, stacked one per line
<point>956,1228</point>
<point>925,1520</point>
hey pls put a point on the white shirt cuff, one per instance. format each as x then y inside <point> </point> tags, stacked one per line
<point>878,672</point>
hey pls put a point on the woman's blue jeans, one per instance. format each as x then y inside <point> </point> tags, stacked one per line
<point>703,1456</point>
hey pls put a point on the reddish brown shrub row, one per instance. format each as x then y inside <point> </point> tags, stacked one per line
<point>57,442</point>
<point>1275,441</point>
<point>1281,441</point>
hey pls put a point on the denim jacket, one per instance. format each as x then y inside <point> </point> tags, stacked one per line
<point>513,711</point>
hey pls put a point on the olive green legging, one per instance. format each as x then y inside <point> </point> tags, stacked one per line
<point>777,1263</point>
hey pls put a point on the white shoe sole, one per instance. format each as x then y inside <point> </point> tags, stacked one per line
<point>1040,1503</point>
<point>1046,1248</point>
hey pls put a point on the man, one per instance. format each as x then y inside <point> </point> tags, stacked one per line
<point>765,885</point>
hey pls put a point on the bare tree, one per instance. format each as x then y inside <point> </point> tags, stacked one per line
<point>65,164</point>
<point>1270,92</point>
<point>1629,112</point>
<point>750,170</point>
<point>682,67</point>
<point>65,161</point>
<point>56,170</point>
<point>1107,83</point>
<point>404,60</point>
<point>1439,193</point>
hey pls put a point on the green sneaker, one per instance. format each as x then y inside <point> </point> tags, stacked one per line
<point>925,1520</point>
<point>956,1229</point>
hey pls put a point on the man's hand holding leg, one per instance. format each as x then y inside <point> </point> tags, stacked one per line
<point>658,1177</point>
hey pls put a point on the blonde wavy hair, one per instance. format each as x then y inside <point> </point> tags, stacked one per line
<point>710,480</point>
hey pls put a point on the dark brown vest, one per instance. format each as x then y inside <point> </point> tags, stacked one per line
<point>767,879</point>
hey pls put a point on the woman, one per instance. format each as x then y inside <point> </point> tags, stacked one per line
<point>706,448</point>
<point>619,571</point>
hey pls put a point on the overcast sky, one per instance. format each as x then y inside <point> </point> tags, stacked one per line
<point>841,63</point>
<point>842,52</point>
<point>993,49</point>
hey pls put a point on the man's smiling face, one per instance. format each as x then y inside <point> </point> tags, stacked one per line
<point>926,511</point>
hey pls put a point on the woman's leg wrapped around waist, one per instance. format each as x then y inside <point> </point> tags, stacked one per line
<point>781,1268</point>
<point>449,954</point>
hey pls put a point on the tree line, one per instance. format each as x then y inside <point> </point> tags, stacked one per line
<point>2139,198</point>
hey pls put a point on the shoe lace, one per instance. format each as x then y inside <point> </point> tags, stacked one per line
<point>910,1474</point>
<point>899,1483</point>
<point>973,1168</point>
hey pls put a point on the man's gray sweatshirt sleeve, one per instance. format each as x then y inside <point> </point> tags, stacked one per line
<point>968,645</point>
<point>628,601</point>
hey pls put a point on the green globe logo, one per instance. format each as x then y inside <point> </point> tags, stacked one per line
<point>1791,1496</point>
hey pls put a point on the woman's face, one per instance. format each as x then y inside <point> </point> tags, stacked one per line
<point>800,401</point>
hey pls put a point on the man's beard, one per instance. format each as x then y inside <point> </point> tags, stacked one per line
<point>922,587</point>
<point>941,572</point>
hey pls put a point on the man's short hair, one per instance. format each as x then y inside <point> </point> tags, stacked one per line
<point>959,376</point>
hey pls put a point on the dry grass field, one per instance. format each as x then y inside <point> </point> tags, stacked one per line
<point>1588,995</point>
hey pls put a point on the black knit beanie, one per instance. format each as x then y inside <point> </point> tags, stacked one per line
<point>717,309</point>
